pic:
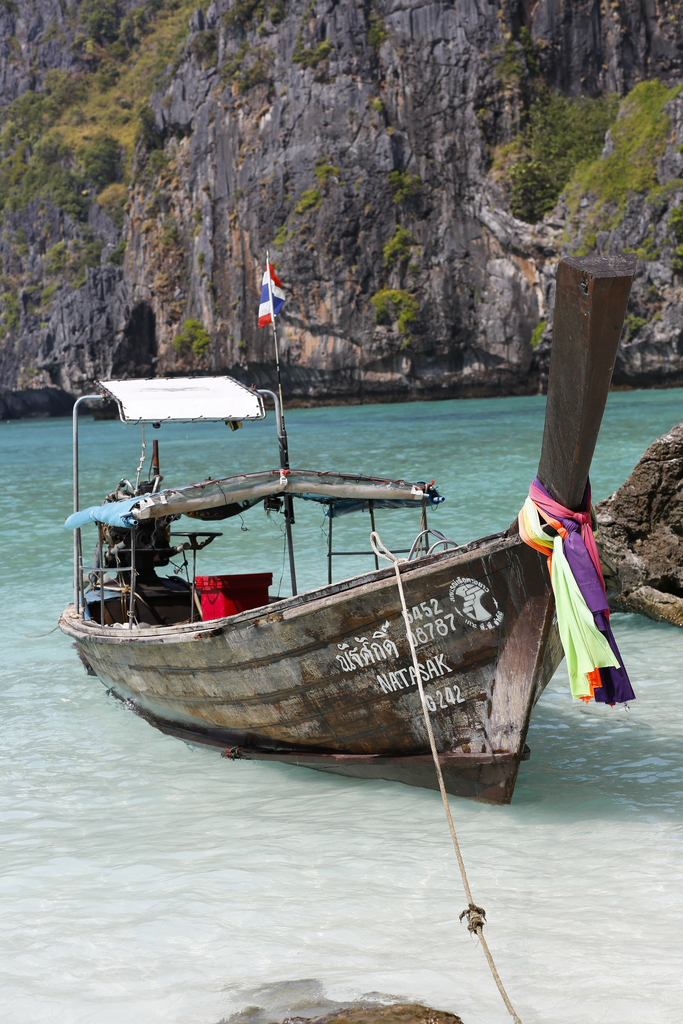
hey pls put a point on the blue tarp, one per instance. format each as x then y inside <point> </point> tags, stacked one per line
<point>114,513</point>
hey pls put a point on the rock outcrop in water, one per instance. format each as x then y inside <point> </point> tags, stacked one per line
<point>641,530</point>
<point>396,1013</point>
<point>377,148</point>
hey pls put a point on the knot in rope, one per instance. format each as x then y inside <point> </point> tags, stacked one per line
<point>384,552</point>
<point>476,918</point>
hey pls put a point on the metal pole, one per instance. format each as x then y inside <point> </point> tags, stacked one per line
<point>424,527</point>
<point>81,584</point>
<point>284,464</point>
<point>329,550</point>
<point>99,536</point>
<point>277,350</point>
<point>372,523</point>
<point>289,517</point>
<point>282,433</point>
<point>194,574</point>
<point>131,604</point>
<point>77,533</point>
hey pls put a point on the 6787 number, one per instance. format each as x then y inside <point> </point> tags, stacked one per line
<point>431,626</point>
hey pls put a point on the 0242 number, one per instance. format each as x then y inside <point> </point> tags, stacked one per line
<point>451,698</point>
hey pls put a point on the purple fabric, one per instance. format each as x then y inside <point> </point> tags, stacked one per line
<point>616,686</point>
<point>581,565</point>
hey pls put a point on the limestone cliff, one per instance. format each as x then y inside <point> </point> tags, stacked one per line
<point>376,148</point>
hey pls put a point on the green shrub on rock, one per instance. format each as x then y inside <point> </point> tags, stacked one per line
<point>404,186</point>
<point>116,257</point>
<point>638,138</point>
<point>204,46</point>
<point>398,249</point>
<point>311,56</point>
<point>392,304</point>
<point>377,33</point>
<point>193,338</point>
<point>12,315</point>
<point>310,200</point>
<point>101,160</point>
<point>561,133</point>
<point>537,333</point>
<point>676,224</point>
<point>58,258</point>
<point>324,171</point>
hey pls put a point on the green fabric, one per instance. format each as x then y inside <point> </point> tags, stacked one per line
<point>584,645</point>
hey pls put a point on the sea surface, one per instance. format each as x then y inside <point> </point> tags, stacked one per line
<point>146,881</point>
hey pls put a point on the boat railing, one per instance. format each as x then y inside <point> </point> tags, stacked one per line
<point>196,542</point>
<point>101,573</point>
<point>420,543</point>
<point>78,553</point>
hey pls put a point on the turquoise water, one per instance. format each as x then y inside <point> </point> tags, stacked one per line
<point>144,881</point>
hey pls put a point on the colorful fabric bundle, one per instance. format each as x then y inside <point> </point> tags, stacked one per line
<point>595,667</point>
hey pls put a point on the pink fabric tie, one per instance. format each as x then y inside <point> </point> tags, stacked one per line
<point>582,519</point>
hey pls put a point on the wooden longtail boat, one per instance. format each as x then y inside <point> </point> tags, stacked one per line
<point>324,679</point>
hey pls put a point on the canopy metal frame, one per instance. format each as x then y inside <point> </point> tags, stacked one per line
<point>287,499</point>
<point>78,556</point>
<point>284,464</point>
<point>79,599</point>
<point>216,405</point>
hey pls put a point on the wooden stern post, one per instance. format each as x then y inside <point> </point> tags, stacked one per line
<point>590,304</point>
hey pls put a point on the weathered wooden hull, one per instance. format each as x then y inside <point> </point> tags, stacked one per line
<point>324,679</point>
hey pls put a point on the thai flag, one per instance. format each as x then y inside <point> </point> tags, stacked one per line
<point>264,316</point>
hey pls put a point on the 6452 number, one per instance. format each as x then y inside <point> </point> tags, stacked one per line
<point>425,610</point>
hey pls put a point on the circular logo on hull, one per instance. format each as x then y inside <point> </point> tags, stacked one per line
<point>474,603</point>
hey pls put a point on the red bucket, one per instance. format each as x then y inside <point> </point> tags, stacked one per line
<point>228,595</point>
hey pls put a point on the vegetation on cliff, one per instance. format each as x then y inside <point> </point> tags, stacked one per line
<point>563,142</point>
<point>383,173</point>
<point>560,134</point>
<point>72,143</point>
<point>76,137</point>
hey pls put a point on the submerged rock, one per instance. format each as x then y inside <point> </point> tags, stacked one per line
<point>641,532</point>
<point>398,1013</point>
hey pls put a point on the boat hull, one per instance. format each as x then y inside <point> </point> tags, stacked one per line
<point>325,680</point>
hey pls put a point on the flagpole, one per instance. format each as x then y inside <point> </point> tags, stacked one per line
<point>277,350</point>
<point>282,434</point>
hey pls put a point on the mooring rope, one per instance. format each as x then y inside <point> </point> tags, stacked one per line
<point>475,915</point>
<point>33,636</point>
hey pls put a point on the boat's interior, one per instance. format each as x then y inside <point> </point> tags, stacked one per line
<point>155,545</point>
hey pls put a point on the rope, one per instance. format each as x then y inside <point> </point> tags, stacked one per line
<point>476,916</point>
<point>142,460</point>
<point>33,636</point>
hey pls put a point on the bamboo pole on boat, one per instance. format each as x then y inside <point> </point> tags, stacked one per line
<point>282,434</point>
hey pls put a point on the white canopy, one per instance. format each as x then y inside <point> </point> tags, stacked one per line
<point>183,399</point>
<point>252,487</point>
